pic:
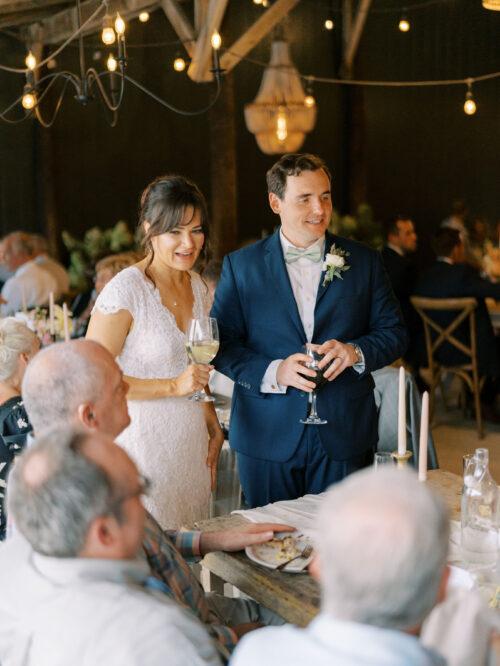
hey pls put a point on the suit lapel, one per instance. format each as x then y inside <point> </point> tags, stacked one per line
<point>276,266</point>
<point>322,289</point>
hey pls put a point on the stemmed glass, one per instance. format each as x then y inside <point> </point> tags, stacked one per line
<point>319,380</point>
<point>202,344</point>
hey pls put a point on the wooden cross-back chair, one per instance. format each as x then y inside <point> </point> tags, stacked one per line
<point>468,371</point>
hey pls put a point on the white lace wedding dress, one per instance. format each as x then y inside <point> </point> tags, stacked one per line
<point>167,437</point>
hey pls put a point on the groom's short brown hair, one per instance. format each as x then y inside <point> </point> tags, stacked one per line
<point>292,164</point>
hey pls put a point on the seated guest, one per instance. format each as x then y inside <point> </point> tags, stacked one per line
<point>82,596</point>
<point>31,284</point>
<point>450,277</point>
<point>56,269</point>
<point>17,346</point>
<point>79,384</point>
<point>396,255</point>
<point>382,541</point>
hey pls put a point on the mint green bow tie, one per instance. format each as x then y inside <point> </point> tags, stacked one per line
<point>293,254</point>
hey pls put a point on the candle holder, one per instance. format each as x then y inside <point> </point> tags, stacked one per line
<point>402,458</point>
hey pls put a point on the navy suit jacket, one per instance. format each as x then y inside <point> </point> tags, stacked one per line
<point>259,322</point>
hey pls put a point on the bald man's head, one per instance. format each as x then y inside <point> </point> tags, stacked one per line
<point>76,383</point>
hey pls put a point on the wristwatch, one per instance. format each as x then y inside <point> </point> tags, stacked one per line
<point>359,353</point>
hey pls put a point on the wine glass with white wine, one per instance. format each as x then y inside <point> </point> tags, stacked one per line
<point>202,344</point>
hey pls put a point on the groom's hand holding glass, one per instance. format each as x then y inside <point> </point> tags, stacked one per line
<point>291,372</point>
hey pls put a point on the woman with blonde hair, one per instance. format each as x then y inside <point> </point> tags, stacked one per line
<point>142,316</point>
<point>18,344</point>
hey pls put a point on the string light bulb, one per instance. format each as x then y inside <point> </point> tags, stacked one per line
<point>404,24</point>
<point>179,64</point>
<point>29,98</point>
<point>119,25</point>
<point>309,101</point>
<point>111,63</point>
<point>257,2</point>
<point>329,24</point>
<point>281,125</point>
<point>144,17</point>
<point>30,61</point>
<point>470,107</point>
<point>216,41</point>
<point>108,34</point>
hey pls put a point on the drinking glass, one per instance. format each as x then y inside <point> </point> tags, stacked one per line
<point>202,344</point>
<point>383,458</point>
<point>319,380</point>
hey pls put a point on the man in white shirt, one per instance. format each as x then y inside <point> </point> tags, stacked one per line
<point>81,596</point>
<point>382,541</point>
<point>31,284</point>
<point>56,269</point>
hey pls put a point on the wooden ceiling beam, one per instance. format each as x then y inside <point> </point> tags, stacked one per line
<point>180,23</point>
<point>263,26</point>
<point>200,14</point>
<point>199,69</point>
<point>12,6</point>
<point>354,36</point>
<point>26,17</point>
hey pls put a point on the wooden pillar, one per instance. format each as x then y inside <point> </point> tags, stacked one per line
<point>223,171</point>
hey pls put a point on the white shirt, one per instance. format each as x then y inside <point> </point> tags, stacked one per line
<point>396,249</point>
<point>30,285</point>
<point>330,642</point>
<point>58,272</point>
<point>304,276</point>
<point>91,612</point>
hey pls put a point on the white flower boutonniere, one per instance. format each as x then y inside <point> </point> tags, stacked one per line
<point>335,264</point>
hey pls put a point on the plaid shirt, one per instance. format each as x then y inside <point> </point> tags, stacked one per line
<point>166,552</point>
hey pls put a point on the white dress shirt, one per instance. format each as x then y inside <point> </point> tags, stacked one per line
<point>305,276</point>
<point>330,642</point>
<point>30,285</point>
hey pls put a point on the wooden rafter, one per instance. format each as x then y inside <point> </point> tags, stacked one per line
<point>180,24</point>
<point>354,35</point>
<point>256,33</point>
<point>199,69</point>
<point>200,14</point>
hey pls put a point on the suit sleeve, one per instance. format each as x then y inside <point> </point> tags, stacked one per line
<point>235,359</point>
<point>478,287</point>
<point>387,338</point>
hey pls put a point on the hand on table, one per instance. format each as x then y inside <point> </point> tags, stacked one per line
<point>341,355</point>
<point>238,539</point>
<point>290,370</point>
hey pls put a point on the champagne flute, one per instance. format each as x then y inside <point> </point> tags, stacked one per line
<point>202,344</point>
<point>319,380</point>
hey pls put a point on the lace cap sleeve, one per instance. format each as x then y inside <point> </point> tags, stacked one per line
<point>121,293</point>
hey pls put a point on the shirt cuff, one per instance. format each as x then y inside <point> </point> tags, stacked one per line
<point>187,542</point>
<point>360,366</point>
<point>269,382</point>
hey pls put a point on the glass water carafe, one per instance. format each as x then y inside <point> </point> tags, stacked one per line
<point>479,513</point>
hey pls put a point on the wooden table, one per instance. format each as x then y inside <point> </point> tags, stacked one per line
<point>295,597</point>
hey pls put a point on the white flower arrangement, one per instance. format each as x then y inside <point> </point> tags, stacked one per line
<point>38,321</point>
<point>335,264</point>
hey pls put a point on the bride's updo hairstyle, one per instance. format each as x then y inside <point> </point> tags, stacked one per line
<point>163,204</point>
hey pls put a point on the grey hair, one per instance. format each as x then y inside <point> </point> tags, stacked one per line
<point>54,512</point>
<point>382,543</point>
<point>57,381</point>
<point>15,339</point>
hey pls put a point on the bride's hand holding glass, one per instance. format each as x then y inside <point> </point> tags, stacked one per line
<point>193,379</point>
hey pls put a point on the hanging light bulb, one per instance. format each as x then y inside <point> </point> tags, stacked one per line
<point>108,34</point>
<point>52,64</point>
<point>111,63</point>
<point>144,17</point>
<point>494,5</point>
<point>29,98</point>
<point>119,25</point>
<point>281,125</point>
<point>216,41</point>
<point>30,61</point>
<point>404,24</point>
<point>329,24</point>
<point>179,64</point>
<point>469,105</point>
<point>257,2</point>
<point>309,101</point>
<point>265,3</point>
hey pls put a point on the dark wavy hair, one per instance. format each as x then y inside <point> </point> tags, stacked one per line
<point>163,205</point>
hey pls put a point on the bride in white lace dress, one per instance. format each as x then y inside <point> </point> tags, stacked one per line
<point>141,316</point>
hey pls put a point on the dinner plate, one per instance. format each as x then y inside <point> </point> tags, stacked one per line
<point>272,553</point>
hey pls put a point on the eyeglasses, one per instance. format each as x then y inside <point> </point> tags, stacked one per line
<point>143,488</point>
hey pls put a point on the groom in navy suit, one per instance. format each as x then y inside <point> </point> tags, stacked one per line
<point>274,297</point>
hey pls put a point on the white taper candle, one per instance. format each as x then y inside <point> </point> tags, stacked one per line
<point>424,435</point>
<point>66,322</point>
<point>402,412</point>
<point>51,313</point>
